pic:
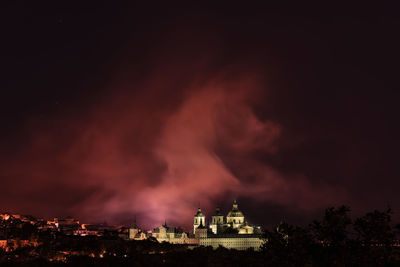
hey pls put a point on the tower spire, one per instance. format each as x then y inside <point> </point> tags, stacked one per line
<point>199,219</point>
<point>235,205</point>
<point>134,222</point>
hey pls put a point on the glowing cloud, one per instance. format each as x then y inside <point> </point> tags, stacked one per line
<point>158,157</point>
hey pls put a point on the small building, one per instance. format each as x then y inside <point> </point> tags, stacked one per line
<point>67,225</point>
<point>135,233</point>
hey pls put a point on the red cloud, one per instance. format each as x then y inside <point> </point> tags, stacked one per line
<point>157,157</point>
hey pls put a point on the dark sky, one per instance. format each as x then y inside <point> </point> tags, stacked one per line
<point>109,111</point>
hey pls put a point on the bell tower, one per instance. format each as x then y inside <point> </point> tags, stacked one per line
<point>199,219</point>
<point>217,220</point>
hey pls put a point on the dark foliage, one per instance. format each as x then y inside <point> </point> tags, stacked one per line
<point>335,241</point>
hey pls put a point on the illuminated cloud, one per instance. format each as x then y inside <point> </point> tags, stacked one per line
<point>158,157</point>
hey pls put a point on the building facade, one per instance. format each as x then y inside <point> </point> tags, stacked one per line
<point>231,231</point>
<point>173,235</point>
<point>239,242</point>
<point>135,233</point>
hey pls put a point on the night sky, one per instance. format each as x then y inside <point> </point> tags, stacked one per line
<point>113,111</point>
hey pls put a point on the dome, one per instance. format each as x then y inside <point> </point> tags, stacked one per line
<point>217,212</point>
<point>199,213</point>
<point>235,212</point>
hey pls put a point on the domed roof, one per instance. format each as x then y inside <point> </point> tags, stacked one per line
<point>199,213</point>
<point>235,212</point>
<point>217,212</point>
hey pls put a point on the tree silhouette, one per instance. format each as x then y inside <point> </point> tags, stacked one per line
<point>374,239</point>
<point>288,245</point>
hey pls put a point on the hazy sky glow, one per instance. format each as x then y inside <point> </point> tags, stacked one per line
<point>104,120</point>
<point>124,157</point>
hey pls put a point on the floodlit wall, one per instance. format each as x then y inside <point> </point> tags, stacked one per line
<point>241,243</point>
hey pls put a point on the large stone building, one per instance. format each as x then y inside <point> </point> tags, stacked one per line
<point>231,231</point>
<point>173,235</point>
